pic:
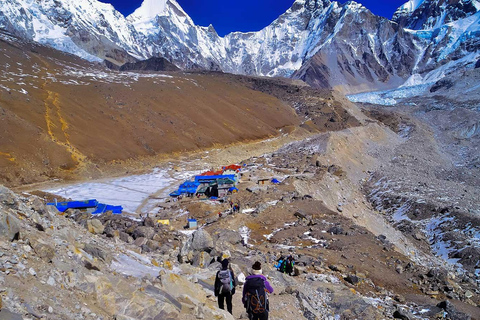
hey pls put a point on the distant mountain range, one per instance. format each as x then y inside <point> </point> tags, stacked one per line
<point>325,43</point>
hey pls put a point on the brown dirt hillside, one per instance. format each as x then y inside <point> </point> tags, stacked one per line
<point>65,118</point>
<point>62,117</point>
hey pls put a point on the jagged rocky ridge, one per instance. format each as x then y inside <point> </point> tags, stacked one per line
<point>325,43</point>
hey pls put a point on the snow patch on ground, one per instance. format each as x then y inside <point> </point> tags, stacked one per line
<point>245,234</point>
<point>131,267</point>
<point>390,97</point>
<point>130,192</point>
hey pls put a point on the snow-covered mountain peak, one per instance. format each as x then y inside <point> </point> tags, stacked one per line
<point>432,14</point>
<point>145,15</point>
<point>410,6</point>
<point>149,10</point>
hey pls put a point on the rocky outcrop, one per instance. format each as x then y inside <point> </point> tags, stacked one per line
<point>430,14</point>
<point>152,64</point>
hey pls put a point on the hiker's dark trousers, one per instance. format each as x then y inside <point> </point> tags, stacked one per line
<point>260,316</point>
<point>228,298</point>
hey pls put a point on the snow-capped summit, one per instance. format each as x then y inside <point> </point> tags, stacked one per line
<point>431,14</point>
<point>323,42</point>
<point>148,10</point>
<point>410,6</point>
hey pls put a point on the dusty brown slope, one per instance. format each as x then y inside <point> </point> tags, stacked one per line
<point>63,117</point>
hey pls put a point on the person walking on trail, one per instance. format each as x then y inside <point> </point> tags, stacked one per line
<point>225,286</point>
<point>255,294</point>
<point>289,265</point>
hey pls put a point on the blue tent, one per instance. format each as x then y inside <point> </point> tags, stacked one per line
<point>275,181</point>
<point>232,189</point>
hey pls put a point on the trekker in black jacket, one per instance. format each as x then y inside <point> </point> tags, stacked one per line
<point>225,286</point>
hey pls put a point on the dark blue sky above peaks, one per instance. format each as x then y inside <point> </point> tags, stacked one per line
<point>245,15</point>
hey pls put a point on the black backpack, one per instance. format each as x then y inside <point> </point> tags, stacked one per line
<point>256,298</point>
<point>289,266</point>
<point>227,282</point>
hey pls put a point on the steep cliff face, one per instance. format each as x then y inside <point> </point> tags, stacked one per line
<point>431,14</point>
<point>325,43</point>
<point>359,51</point>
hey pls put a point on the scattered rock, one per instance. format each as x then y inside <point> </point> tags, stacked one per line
<point>95,226</point>
<point>352,279</point>
<point>9,226</point>
<point>452,312</point>
<point>32,272</point>
<point>96,252</point>
<point>7,315</point>
<point>43,250</point>
<point>401,313</point>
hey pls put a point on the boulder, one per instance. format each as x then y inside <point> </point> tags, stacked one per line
<point>201,241</point>
<point>352,279</point>
<point>149,222</point>
<point>125,237</point>
<point>143,232</point>
<point>297,270</point>
<point>452,312</point>
<point>44,250</point>
<point>8,198</point>
<point>477,65</point>
<point>336,230</point>
<point>9,226</point>
<point>401,313</point>
<point>95,226</point>
<point>153,245</point>
<point>140,241</point>
<point>37,205</point>
<point>201,259</point>
<point>97,252</point>
<point>7,315</point>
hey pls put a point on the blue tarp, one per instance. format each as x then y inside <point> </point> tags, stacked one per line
<point>275,181</point>
<point>63,206</point>
<point>188,187</point>
<point>114,209</point>
<point>99,207</point>
<point>233,189</point>
<point>102,208</point>
<point>214,178</point>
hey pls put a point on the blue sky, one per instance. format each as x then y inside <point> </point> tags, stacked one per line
<point>245,15</point>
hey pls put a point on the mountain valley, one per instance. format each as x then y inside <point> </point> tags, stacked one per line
<point>357,140</point>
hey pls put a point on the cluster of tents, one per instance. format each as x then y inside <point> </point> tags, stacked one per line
<point>211,184</point>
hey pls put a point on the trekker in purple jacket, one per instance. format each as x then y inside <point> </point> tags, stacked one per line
<point>255,294</point>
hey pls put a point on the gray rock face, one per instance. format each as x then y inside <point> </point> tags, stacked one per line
<point>95,226</point>
<point>7,198</point>
<point>43,250</point>
<point>144,232</point>
<point>202,241</point>
<point>197,248</point>
<point>433,13</point>
<point>7,315</point>
<point>9,226</point>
